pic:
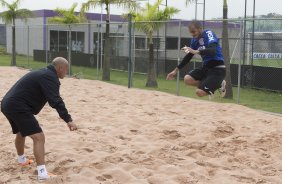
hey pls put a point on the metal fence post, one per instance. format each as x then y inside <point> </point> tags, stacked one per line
<point>98,45</point>
<point>178,59</point>
<point>28,46</point>
<point>240,61</point>
<point>129,49</point>
<point>46,44</point>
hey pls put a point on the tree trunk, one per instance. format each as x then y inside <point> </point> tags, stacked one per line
<point>13,61</point>
<point>107,51</point>
<point>226,54</point>
<point>152,79</point>
<point>69,52</point>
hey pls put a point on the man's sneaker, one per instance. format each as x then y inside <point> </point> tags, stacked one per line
<point>26,163</point>
<point>50,176</point>
<point>222,90</point>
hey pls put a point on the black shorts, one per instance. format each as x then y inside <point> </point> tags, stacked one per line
<point>211,78</point>
<point>23,123</point>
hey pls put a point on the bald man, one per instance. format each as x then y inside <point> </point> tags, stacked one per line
<point>26,99</point>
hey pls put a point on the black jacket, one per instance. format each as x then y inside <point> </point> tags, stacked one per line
<point>33,90</point>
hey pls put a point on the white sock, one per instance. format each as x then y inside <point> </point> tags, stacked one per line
<point>42,171</point>
<point>21,159</point>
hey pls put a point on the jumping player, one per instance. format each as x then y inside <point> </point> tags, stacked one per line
<point>210,77</point>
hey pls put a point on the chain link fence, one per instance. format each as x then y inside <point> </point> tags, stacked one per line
<point>255,55</point>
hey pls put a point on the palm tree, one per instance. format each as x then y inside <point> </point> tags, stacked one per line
<point>149,20</point>
<point>67,17</point>
<point>225,49</point>
<point>9,17</point>
<point>130,4</point>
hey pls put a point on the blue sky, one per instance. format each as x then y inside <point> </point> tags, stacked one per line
<point>213,7</point>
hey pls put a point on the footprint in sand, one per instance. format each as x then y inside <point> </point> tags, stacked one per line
<point>223,132</point>
<point>268,171</point>
<point>244,179</point>
<point>101,165</point>
<point>104,177</point>
<point>171,134</point>
<point>134,132</point>
<point>61,168</point>
<point>113,160</point>
<point>124,138</point>
<point>88,150</point>
<point>186,180</point>
<point>76,169</point>
<point>140,174</point>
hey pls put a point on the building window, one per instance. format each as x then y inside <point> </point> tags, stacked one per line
<point>117,43</point>
<point>140,43</point>
<point>77,39</point>
<point>97,45</point>
<point>157,43</point>
<point>63,41</point>
<point>185,42</point>
<point>54,41</point>
<point>172,43</point>
<point>59,41</point>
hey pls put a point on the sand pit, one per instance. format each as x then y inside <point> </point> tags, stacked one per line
<point>145,137</point>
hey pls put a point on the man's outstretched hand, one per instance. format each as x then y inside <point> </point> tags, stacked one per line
<point>171,75</point>
<point>72,126</point>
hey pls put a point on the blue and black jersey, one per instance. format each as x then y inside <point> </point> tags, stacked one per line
<point>210,50</point>
<point>205,41</point>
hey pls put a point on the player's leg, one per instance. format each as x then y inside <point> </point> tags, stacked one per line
<point>19,143</point>
<point>19,140</point>
<point>213,82</point>
<point>190,81</point>
<point>201,93</point>
<point>194,77</point>
<point>222,89</point>
<point>29,126</point>
<point>38,147</point>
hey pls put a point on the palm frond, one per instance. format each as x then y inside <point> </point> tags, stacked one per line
<point>14,12</point>
<point>189,1</point>
<point>7,16</point>
<point>91,4</point>
<point>23,14</point>
<point>127,4</point>
<point>66,16</point>
<point>4,3</point>
<point>150,18</point>
<point>56,19</point>
<point>16,4</point>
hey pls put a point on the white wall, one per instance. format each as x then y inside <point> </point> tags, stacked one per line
<point>32,27</point>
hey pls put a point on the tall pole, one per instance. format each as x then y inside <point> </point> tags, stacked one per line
<point>204,13</point>
<point>69,51</point>
<point>253,31</point>
<point>178,60</point>
<point>253,40</point>
<point>245,25</point>
<point>244,41</point>
<point>165,36</point>
<point>129,50</point>
<point>196,10</point>
<point>240,62</point>
<point>28,46</point>
<point>101,37</point>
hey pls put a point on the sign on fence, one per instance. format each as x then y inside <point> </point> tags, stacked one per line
<point>258,55</point>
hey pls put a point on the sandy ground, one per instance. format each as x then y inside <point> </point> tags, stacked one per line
<point>137,136</point>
